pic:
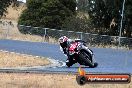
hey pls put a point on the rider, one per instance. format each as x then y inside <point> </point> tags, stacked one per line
<point>65,42</point>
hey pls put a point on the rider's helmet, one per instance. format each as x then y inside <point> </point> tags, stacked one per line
<point>63,39</point>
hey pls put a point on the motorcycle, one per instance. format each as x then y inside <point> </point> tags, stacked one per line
<point>78,52</point>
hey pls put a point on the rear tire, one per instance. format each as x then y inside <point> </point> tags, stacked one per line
<point>95,64</point>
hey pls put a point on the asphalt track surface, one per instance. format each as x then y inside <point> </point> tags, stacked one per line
<point>110,60</point>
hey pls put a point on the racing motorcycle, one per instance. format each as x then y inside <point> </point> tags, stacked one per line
<point>80,53</point>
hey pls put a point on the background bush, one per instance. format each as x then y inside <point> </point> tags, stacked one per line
<point>47,13</point>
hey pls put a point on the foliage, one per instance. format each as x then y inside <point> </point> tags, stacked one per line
<point>47,13</point>
<point>128,16</point>
<point>80,23</point>
<point>4,4</point>
<point>104,13</point>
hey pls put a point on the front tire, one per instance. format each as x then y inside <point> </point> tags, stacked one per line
<point>85,59</point>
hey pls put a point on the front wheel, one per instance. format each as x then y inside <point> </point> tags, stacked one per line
<point>85,59</point>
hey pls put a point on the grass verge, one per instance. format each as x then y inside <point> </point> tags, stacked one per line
<point>26,80</point>
<point>17,60</point>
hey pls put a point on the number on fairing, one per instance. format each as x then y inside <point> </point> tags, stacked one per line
<point>73,46</point>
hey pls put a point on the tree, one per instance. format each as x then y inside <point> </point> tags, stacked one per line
<point>82,5</point>
<point>4,4</point>
<point>107,14</point>
<point>47,13</point>
<point>128,18</point>
<point>79,23</point>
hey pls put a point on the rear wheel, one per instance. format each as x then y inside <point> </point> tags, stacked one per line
<point>95,64</point>
<point>85,59</point>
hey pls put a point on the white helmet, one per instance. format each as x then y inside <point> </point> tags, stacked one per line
<point>63,39</point>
